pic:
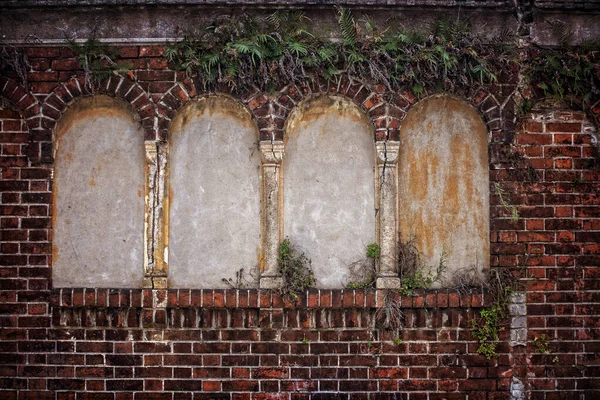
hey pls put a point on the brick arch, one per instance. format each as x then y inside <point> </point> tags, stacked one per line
<point>272,115</point>
<point>481,99</point>
<point>182,92</point>
<point>24,101</point>
<point>117,86</point>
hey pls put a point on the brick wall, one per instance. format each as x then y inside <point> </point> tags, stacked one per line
<point>144,344</point>
<point>562,238</point>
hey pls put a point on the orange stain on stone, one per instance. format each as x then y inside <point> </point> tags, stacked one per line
<point>443,175</point>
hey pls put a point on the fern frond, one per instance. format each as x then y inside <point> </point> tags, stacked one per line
<point>297,48</point>
<point>243,48</point>
<point>561,31</point>
<point>277,18</point>
<point>347,26</point>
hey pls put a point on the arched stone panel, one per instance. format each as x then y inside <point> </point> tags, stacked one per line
<point>328,175</point>
<point>98,196</point>
<point>443,183</point>
<point>214,193</point>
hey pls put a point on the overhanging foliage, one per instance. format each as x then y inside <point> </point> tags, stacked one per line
<point>267,53</point>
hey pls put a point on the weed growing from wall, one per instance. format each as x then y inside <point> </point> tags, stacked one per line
<point>295,269</point>
<point>467,280</point>
<point>541,345</point>
<point>411,268</point>
<point>363,273</point>
<point>97,60</point>
<point>390,316</point>
<point>240,281</point>
<point>373,251</point>
<point>501,285</point>
<point>568,73</point>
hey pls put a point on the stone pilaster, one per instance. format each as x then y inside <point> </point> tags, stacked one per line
<point>156,213</point>
<point>271,156</point>
<point>387,157</point>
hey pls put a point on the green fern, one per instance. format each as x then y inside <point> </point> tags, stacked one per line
<point>347,26</point>
<point>297,48</point>
<point>278,49</point>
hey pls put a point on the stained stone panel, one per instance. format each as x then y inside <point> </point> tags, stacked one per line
<point>98,196</point>
<point>443,183</point>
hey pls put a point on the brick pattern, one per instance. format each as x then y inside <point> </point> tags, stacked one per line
<point>238,344</point>
<point>561,235</point>
<point>24,238</point>
<point>252,344</point>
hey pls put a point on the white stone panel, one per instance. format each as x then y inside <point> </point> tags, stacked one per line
<point>328,175</point>
<point>214,194</point>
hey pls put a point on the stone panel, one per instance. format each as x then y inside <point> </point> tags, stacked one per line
<point>328,175</point>
<point>98,196</point>
<point>443,183</point>
<point>214,194</point>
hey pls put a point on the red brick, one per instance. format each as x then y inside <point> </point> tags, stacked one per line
<point>42,52</point>
<point>563,127</point>
<point>531,139</point>
<point>129,52</point>
<point>532,126</point>
<point>65,65</point>
<point>151,51</point>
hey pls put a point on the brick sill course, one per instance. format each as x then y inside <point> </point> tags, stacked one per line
<point>260,298</point>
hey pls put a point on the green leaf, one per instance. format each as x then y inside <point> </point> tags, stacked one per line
<point>418,88</point>
<point>347,26</point>
<point>298,48</point>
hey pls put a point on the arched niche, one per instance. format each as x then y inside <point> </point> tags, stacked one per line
<point>328,175</point>
<point>214,194</point>
<point>443,184</point>
<point>98,196</point>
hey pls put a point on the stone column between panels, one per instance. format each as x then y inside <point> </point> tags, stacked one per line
<point>387,157</point>
<point>155,224</point>
<point>271,156</point>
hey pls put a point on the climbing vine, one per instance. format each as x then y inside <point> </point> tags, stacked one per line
<point>500,286</point>
<point>268,52</point>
